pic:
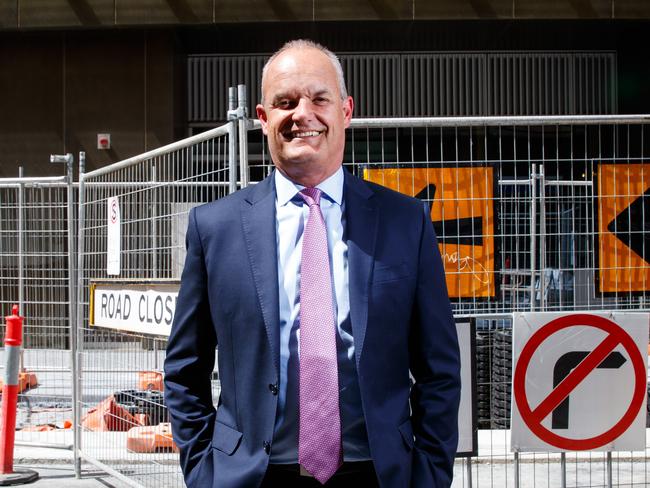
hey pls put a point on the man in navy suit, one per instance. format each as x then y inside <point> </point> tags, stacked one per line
<point>247,284</point>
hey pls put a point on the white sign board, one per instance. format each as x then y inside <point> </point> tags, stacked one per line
<point>113,237</point>
<point>467,425</point>
<point>146,308</point>
<point>579,381</point>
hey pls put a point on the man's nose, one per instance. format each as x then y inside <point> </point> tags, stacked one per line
<point>303,111</point>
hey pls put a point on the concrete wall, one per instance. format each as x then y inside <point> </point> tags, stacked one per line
<point>93,13</point>
<point>59,89</point>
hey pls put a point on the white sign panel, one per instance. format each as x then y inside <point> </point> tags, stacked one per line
<point>467,425</point>
<point>579,381</point>
<point>146,308</point>
<point>114,237</point>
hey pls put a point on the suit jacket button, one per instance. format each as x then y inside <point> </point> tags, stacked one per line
<point>274,388</point>
<point>267,447</point>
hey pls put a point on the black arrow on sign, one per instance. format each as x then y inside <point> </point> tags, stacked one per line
<point>632,226</point>
<point>563,366</point>
<point>465,230</point>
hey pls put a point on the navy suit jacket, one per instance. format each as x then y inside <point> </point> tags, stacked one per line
<point>401,321</point>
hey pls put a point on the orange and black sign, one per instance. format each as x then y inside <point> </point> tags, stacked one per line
<point>623,208</point>
<point>462,213</point>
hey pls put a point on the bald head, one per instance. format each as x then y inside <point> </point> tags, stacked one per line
<point>307,44</point>
<point>304,113</point>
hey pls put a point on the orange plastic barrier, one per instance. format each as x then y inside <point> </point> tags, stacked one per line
<point>25,382</point>
<point>150,380</point>
<point>39,428</point>
<point>108,416</point>
<point>151,439</point>
<point>66,424</point>
<point>142,418</point>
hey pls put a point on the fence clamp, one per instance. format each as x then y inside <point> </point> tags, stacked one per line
<point>62,158</point>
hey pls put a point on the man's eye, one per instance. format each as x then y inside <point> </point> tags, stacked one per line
<point>283,104</point>
<point>320,100</point>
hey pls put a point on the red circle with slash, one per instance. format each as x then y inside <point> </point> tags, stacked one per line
<point>615,336</point>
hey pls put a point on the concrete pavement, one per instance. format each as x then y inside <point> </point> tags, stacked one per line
<point>62,476</point>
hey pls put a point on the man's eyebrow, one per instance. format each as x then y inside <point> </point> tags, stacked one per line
<point>281,96</point>
<point>322,91</point>
<point>316,93</point>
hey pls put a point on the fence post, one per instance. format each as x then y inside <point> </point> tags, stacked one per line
<point>72,291</point>
<point>72,281</point>
<point>232,140</point>
<point>468,466</point>
<point>533,234</point>
<point>608,465</point>
<point>516,469</point>
<point>21,248</point>
<point>542,238</point>
<point>242,117</point>
<point>154,222</point>
<point>77,338</point>
<point>21,243</point>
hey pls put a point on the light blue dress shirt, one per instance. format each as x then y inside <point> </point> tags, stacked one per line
<point>291,216</point>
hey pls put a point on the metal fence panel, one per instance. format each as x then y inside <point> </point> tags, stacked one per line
<point>524,209</point>
<point>155,192</point>
<point>34,273</point>
<point>537,213</point>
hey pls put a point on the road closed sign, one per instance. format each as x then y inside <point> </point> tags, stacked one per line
<point>579,381</point>
<point>143,306</point>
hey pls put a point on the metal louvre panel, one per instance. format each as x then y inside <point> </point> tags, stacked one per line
<point>432,84</point>
<point>551,83</point>
<point>527,84</point>
<point>209,78</point>
<point>374,81</point>
<point>442,84</point>
<point>597,93</point>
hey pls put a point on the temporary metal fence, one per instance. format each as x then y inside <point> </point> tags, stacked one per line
<point>155,191</point>
<point>531,213</point>
<point>518,205</point>
<point>37,220</point>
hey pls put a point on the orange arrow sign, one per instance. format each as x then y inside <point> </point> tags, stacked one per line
<point>462,212</point>
<point>623,207</point>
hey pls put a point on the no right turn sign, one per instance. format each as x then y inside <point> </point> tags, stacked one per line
<point>579,381</point>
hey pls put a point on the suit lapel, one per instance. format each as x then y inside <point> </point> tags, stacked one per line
<point>361,229</point>
<point>258,221</point>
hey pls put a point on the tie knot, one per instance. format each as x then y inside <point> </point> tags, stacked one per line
<point>311,196</point>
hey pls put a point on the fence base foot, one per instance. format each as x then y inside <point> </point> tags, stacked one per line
<point>18,477</point>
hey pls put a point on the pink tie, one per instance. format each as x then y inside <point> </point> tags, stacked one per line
<point>319,446</point>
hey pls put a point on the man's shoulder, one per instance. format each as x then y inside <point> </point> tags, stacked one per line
<point>228,204</point>
<point>227,201</point>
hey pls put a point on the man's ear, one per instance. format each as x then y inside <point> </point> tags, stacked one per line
<point>261,115</point>
<point>348,107</point>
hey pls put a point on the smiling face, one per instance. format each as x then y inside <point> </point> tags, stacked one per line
<point>304,116</point>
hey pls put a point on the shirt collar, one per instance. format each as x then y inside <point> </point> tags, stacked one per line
<point>285,189</point>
